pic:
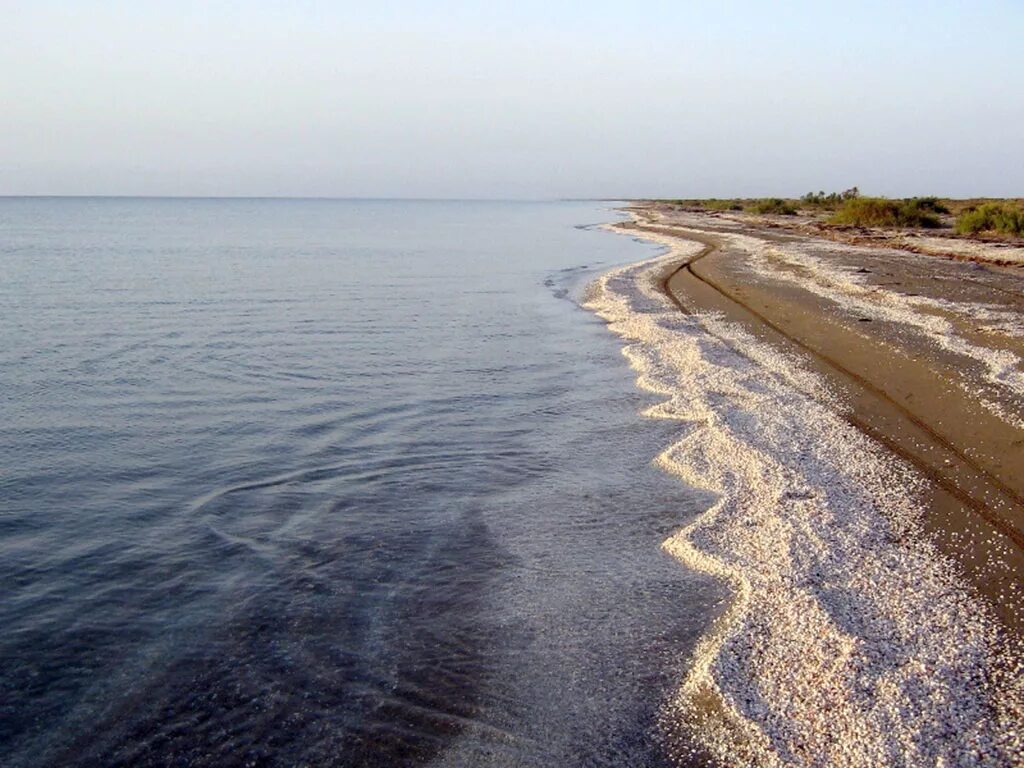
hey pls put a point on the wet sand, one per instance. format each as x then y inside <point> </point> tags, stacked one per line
<point>858,411</point>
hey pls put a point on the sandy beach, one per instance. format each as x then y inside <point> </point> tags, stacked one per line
<point>857,402</point>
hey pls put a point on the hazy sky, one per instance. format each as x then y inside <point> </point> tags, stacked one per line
<point>525,99</point>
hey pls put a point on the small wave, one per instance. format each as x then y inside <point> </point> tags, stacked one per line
<point>849,640</point>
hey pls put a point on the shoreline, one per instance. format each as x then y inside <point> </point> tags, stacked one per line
<point>967,489</point>
<point>876,479</point>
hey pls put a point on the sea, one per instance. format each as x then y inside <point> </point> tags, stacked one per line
<point>316,482</point>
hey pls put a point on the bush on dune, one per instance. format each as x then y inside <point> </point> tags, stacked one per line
<point>773,205</point>
<point>992,217</point>
<point>715,204</point>
<point>829,201</point>
<point>929,204</point>
<point>882,212</point>
<point>708,204</point>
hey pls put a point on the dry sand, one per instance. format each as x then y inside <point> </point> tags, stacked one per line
<point>859,411</point>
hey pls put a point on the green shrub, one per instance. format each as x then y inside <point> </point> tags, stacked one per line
<point>992,217</point>
<point>882,212</point>
<point>929,204</point>
<point>831,201</point>
<point>710,204</point>
<point>721,205</point>
<point>774,205</point>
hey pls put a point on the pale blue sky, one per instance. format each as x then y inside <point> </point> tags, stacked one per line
<point>537,99</point>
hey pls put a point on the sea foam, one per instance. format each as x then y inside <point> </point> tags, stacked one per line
<point>849,640</point>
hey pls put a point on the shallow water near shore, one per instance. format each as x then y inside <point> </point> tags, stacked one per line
<point>331,483</point>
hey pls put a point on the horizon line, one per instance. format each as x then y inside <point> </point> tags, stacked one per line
<point>351,198</point>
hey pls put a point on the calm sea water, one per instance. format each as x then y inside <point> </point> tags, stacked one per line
<point>321,483</point>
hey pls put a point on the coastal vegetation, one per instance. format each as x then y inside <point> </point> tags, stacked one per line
<point>709,204</point>
<point>1000,218</point>
<point>714,204</point>
<point>829,201</point>
<point>850,208</point>
<point>774,205</point>
<point>883,212</point>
